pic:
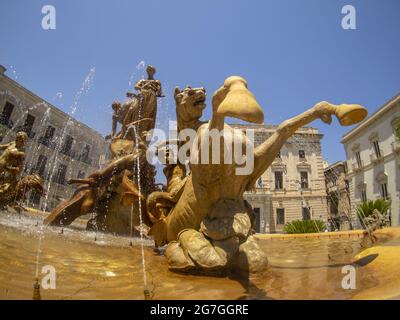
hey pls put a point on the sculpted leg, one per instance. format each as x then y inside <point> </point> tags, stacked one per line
<point>267,151</point>
<point>221,242</point>
<point>194,251</point>
<point>250,258</point>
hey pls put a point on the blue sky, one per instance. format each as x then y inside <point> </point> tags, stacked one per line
<point>293,53</point>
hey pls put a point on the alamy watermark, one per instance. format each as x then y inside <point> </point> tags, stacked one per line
<point>49,277</point>
<point>349,280</point>
<point>209,146</point>
<point>49,18</point>
<point>349,20</point>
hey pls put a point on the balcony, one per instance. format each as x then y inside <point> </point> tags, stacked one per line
<point>278,191</point>
<point>376,159</point>
<point>259,190</point>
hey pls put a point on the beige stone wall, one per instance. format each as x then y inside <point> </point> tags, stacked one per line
<point>25,102</point>
<point>292,198</point>
<point>374,170</point>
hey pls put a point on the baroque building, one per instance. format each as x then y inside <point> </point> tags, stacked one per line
<point>293,188</point>
<point>338,196</point>
<point>59,147</point>
<point>373,159</point>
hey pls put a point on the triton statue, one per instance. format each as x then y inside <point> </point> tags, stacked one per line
<point>13,189</point>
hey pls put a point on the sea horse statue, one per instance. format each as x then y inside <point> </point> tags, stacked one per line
<point>209,228</point>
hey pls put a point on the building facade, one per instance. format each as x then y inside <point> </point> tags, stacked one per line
<point>373,158</point>
<point>59,147</point>
<point>293,187</point>
<point>338,196</point>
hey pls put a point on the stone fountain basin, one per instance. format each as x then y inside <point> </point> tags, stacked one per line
<point>301,266</point>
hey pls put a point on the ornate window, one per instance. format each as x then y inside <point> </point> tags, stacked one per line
<point>362,189</point>
<point>6,114</point>
<point>280,216</point>
<point>304,179</point>
<point>41,165</point>
<point>377,149</point>
<point>381,178</point>
<point>384,191</point>
<point>358,159</point>
<point>278,180</point>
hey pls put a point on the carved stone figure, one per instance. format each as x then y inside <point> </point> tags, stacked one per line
<point>12,158</point>
<point>190,103</point>
<point>13,188</point>
<point>210,227</point>
<point>110,192</point>
<point>201,215</point>
<point>113,193</point>
<point>344,207</point>
<point>140,111</point>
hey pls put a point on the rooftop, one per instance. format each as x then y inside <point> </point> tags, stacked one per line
<point>272,128</point>
<point>35,96</point>
<point>372,118</point>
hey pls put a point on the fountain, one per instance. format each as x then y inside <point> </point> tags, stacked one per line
<point>112,192</point>
<point>201,215</point>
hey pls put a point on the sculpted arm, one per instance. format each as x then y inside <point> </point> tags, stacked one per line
<point>4,146</point>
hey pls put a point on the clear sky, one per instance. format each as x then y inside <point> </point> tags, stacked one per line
<point>293,53</point>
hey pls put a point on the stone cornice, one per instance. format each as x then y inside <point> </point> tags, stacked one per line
<point>371,119</point>
<point>54,108</point>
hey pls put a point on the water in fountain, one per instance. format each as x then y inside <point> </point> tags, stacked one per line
<point>84,89</point>
<point>34,149</point>
<point>141,226</point>
<point>33,146</point>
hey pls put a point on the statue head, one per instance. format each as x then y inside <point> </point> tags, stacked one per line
<point>150,71</point>
<point>190,103</point>
<point>20,139</point>
<point>115,105</point>
<point>233,99</point>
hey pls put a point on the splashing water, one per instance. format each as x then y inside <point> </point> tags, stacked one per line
<point>140,212</point>
<point>14,72</point>
<point>35,150</point>
<point>22,108</point>
<point>140,67</point>
<point>146,292</point>
<point>85,87</point>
